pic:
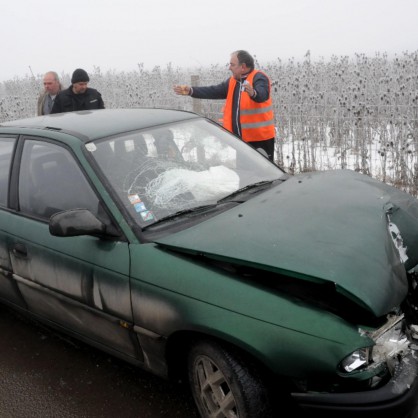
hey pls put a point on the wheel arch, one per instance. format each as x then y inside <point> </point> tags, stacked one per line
<point>180,343</point>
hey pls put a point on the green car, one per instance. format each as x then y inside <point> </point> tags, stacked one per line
<point>161,238</point>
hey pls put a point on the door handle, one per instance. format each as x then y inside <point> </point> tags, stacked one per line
<point>19,249</point>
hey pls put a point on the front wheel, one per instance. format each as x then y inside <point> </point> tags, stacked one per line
<point>223,385</point>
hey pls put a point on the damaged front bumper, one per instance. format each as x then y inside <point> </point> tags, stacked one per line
<point>397,398</point>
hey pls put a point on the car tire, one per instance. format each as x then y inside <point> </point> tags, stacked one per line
<point>223,385</point>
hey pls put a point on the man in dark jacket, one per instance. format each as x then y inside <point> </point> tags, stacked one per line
<point>78,96</point>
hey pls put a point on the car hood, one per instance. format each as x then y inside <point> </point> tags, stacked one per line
<point>338,226</point>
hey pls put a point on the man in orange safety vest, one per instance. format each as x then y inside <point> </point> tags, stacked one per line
<point>248,110</point>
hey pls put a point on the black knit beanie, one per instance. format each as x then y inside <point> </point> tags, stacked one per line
<point>79,75</point>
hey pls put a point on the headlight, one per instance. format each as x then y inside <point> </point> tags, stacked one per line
<point>390,343</point>
<point>356,360</point>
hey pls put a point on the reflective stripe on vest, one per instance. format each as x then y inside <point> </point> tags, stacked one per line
<point>256,119</point>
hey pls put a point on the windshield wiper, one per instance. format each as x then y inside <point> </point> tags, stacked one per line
<point>181,213</point>
<point>259,185</point>
<point>255,187</point>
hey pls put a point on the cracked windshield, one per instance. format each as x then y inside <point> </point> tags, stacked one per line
<point>160,172</point>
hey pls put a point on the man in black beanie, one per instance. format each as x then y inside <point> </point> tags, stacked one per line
<point>78,96</point>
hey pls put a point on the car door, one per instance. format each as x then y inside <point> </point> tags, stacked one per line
<point>9,291</point>
<point>80,283</point>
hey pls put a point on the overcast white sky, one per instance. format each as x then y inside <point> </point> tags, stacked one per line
<point>42,35</point>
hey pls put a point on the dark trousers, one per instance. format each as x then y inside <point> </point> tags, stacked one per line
<point>267,146</point>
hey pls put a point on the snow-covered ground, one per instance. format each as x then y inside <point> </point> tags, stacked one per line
<point>384,161</point>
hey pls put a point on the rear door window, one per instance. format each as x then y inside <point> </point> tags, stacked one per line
<point>7,146</point>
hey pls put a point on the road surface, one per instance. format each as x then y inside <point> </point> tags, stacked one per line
<point>45,374</point>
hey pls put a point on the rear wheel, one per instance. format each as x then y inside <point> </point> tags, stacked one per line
<point>223,385</point>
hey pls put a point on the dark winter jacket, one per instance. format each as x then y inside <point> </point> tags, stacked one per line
<point>220,91</point>
<point>68,101</point>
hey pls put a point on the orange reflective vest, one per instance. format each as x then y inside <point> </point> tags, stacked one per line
<point>256,119</point>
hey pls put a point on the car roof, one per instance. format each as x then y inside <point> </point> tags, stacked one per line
<point>94,124</point>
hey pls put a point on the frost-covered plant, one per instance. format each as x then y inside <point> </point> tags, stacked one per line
<point>359,113</point>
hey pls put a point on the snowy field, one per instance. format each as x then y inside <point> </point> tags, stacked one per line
<point>381,160</point>
<point>359,113</point>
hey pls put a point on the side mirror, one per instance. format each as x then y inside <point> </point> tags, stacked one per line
<point>75,222</point>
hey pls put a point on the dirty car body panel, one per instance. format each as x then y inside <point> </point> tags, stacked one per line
<point>160,237</point>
